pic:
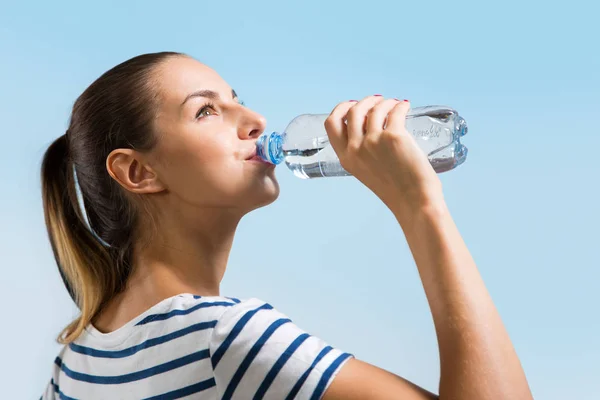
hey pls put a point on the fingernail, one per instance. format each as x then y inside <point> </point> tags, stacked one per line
<point>353,101</point>
<point>406,100</point>
<point>397,99</point>
<point>377,95</point>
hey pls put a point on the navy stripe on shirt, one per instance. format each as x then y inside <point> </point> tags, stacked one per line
<point>173,313</point>
<point>239,374</point>
<point>135,376</point>
<point>305,375</point>
<point>186,391</point>
<point>61,395</point>
<point>327,375</point>
<point>272,374</point>
<point>236,301</point>
<point>239,326</point>
<point>88,351</point>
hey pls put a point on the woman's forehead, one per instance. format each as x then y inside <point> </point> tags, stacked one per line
<point>181,76</point>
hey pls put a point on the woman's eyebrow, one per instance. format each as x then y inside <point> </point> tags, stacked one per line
<point>209,94</point>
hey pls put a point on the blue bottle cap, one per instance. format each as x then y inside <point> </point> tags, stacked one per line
<point>269,147</point>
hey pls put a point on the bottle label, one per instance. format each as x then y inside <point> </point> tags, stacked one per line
<point>432,132</point>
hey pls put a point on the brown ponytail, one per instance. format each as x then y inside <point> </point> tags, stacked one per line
<point>84,264</point>
<point>116,111</point>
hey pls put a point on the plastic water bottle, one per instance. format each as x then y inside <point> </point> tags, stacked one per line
<point>305,147</point>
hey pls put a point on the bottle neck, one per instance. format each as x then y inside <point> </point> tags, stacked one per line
<point>269,147</point>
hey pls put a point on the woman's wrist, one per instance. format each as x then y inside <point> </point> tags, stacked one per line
<point>425,206</point>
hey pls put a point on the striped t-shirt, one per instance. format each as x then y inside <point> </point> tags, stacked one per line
<point>192,347</point>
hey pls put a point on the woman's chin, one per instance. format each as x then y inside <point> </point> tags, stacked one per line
<point>259,193</point>
<point>269,192</point>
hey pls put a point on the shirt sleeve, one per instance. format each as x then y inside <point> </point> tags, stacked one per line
<point>258,353</point>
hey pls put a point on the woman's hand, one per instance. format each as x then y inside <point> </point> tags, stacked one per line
<point>372,143</point>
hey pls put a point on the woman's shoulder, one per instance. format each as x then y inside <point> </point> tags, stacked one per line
<point>254,348</point>
<point>191,305</point>
<point>235,338</point>
<point>219,313</point>
<point>178,316</point>
<point>217,307</point>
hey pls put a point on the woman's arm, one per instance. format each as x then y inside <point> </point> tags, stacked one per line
<point>478,361</point>
<point>477,358</point>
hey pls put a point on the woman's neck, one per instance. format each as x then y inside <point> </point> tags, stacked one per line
<point>178,258</point>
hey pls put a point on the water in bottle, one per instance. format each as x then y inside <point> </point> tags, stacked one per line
<point>305,147</point>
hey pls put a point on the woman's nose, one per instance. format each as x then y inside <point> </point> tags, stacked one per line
<point>252,125</point>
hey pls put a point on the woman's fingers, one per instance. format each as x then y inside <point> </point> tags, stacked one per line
<point>377,116</point>
<point>357,119</point>
<point>396,121</point>
<point>335,125</point>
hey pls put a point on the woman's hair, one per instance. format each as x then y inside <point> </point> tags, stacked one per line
<point>94,255</point>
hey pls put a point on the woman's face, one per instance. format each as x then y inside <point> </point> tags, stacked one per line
<point>207,141</point>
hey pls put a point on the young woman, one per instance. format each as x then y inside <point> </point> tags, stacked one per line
<point>164,157</point>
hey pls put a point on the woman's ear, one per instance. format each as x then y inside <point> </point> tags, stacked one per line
<point>129,169</point>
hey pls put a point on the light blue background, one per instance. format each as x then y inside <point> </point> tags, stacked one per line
<point>328,253</point>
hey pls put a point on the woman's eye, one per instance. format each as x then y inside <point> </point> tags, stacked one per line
<point>205,111</point>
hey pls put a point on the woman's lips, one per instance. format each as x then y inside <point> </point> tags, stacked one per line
<point>258,160</point>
